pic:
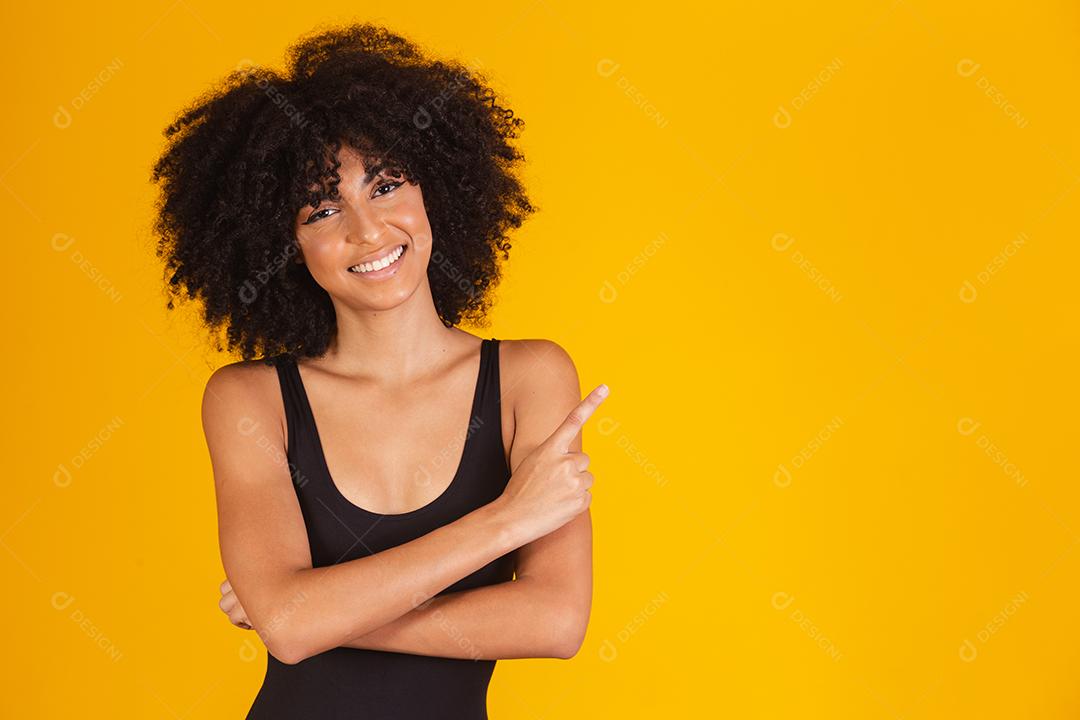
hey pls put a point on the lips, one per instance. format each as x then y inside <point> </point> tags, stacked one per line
<point>380,261</point>
<point>397,257</point>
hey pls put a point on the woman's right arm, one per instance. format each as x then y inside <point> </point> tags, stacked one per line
<point>298,610</point>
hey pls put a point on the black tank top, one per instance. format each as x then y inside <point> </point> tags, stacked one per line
<point>348,682</point>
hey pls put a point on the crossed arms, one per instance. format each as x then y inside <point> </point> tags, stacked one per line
<point>387,601</point>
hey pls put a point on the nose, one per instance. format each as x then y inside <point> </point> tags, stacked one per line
<point>364,224</point>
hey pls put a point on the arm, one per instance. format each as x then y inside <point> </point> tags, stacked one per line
<point>544,612</point>
<point>496,622</point>
<point>298,610</point>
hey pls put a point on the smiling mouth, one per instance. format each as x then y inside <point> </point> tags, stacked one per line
<point>391,258</point>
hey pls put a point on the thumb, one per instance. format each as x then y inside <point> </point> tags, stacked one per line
<point>571,426</point>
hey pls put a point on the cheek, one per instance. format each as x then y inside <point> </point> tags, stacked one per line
<point>412,218</point>
<point>315,253</point>
<point>320,258</point>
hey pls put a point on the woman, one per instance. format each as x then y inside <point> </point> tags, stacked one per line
<point>381,475</point>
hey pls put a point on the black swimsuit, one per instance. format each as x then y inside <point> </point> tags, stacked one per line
<point>347,682</point>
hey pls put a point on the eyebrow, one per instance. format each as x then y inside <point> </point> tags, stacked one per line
<point>376,169</point>
<point>370,174</point>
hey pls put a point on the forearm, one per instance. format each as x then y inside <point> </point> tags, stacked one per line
<point>515,619</point>
<point>316,609</point>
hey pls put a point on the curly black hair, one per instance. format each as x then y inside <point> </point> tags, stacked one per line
<point>241,160</point>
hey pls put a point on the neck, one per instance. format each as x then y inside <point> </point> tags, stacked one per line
<point>393,346</point>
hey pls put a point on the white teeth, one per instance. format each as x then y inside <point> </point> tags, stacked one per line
<point>385,261</point>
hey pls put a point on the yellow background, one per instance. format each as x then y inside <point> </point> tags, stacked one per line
<point>825,257</point>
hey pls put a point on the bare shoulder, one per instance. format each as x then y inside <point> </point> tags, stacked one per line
<point>250,380</point>
<point>536,365</point>
<point>244,393</point>
<point>540,384</point>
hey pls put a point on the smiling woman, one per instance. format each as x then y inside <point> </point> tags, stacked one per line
<point>339,253</point>
<point>243,183</point>
<point>378,208</point>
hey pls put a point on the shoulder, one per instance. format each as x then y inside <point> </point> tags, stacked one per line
<point>244,376</point>
<point>535,359</point>
<point>535,370</point>
<point>247,389</point>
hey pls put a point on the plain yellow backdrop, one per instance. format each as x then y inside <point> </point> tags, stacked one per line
<point>824,256</point>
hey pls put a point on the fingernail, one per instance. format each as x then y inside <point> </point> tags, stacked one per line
<point>603,390</point>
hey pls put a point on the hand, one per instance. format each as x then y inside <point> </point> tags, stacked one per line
<point>230,605</point>
<point>551,485</point>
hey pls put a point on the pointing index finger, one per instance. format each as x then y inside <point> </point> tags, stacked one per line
<point>571,426</point>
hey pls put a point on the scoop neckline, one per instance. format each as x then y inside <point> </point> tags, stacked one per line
<point>454,481</point>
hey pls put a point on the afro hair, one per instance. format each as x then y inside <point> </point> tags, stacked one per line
<point>242,159</point>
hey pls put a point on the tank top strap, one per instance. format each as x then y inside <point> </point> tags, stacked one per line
<point>292,396</point>
<point>488,382</point>
<point>489,404</point>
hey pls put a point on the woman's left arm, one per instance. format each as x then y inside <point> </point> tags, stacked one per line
<point>544,611</point>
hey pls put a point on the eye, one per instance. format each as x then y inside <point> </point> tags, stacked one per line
<point>316,216</point>
<point>391,184</point>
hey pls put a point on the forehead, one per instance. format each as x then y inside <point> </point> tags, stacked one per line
<point>353,159</point>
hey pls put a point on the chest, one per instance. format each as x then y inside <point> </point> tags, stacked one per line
<point>393,451</point>
<point>373,471</point>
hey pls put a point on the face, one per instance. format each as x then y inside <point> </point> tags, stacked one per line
<point>370,248</point>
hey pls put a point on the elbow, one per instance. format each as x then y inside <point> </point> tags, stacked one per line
<point>292,656</point>
<point>567,651</point>
<point>285,654</point>
<point>287,651</point>
<point>571,643</point>
<point>285,633</point>
<point>567,621</point>
<point>291,647</point>
<point>298,639</point>
<point>572,636</point>
<point>281,644</point>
